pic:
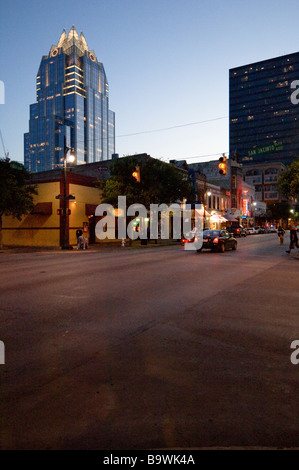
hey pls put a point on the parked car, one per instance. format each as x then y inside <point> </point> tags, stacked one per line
<point>218,240</point>
<point>251,231</point>
<point>237,230</point>
<point>269,230</point>
<point>258,229</point>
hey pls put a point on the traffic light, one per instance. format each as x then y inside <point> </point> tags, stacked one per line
<point>222,165</point>
<point>60,211</point>
<point>136,174</point>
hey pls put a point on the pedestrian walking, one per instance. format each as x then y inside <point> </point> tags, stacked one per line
<point>293,239</point>
<point>280,233</point>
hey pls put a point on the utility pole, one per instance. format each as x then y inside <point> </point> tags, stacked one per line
<point>65,197</point>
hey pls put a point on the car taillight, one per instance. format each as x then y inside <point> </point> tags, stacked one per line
<point>216,240</point>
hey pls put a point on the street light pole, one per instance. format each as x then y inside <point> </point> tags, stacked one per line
<point>207,194</point>
<point>254,209</point>
<point>64,236</point>
<point>64,198</point>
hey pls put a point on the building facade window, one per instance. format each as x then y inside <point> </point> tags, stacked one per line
<point>72,97</point>
<point>264,124</point>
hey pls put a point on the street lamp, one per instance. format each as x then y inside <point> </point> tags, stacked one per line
<point>292,211</point>
<point>254,209</point>
<point>65,197</point>
<point>208,194</point>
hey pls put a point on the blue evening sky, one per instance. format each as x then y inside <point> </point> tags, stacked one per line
<point>166,61</point>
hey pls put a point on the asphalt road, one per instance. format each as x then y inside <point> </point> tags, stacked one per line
<point>150,348</point>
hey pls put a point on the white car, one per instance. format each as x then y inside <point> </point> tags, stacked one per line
<point>251,231</point>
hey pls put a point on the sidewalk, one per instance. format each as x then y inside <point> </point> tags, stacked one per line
<point>134,244</point>
<point>113,244</point>
<point>104,246</point>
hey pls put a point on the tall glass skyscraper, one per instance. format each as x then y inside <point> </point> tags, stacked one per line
<point>72,106</point>
<point>264,122</point>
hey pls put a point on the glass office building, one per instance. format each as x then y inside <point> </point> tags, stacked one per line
<point>72,107</point>
<point>264,123</point>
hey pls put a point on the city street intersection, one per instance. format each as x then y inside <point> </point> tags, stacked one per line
<point>150,348</point>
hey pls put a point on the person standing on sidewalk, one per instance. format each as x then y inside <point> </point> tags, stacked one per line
<point>79,233</point>
<point>81,242</point>
<point>293,239</point>
<point>280,233</point>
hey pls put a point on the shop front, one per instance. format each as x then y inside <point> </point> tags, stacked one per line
<point>217,221</point>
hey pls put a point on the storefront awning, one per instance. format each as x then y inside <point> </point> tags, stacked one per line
<point>230,218</point>
<point>42,208</point>
<point>217,218</point>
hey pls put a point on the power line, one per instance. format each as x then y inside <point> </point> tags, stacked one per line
<point>196,156</point>
<point>173,127</point>
<point>205,156</point>
<point>105,138</point>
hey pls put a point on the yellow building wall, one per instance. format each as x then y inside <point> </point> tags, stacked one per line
<point>84,195</point>
<point>44,230</point>
<point>34,229</point>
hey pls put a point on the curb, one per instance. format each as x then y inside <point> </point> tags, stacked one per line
<point>91,249</point>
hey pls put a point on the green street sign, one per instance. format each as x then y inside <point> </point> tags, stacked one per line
<point>275,147</point>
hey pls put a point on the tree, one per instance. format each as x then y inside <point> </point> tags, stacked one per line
<point>16,196</point>
<point>279,210</point>
<point>159,183</point>
<point>289,181</point>
<point>121,182</point>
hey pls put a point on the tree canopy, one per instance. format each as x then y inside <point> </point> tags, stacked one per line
<point>279,210</point>
<point>16,196</point>
<point>159,183</point>
<point>289,181</point>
